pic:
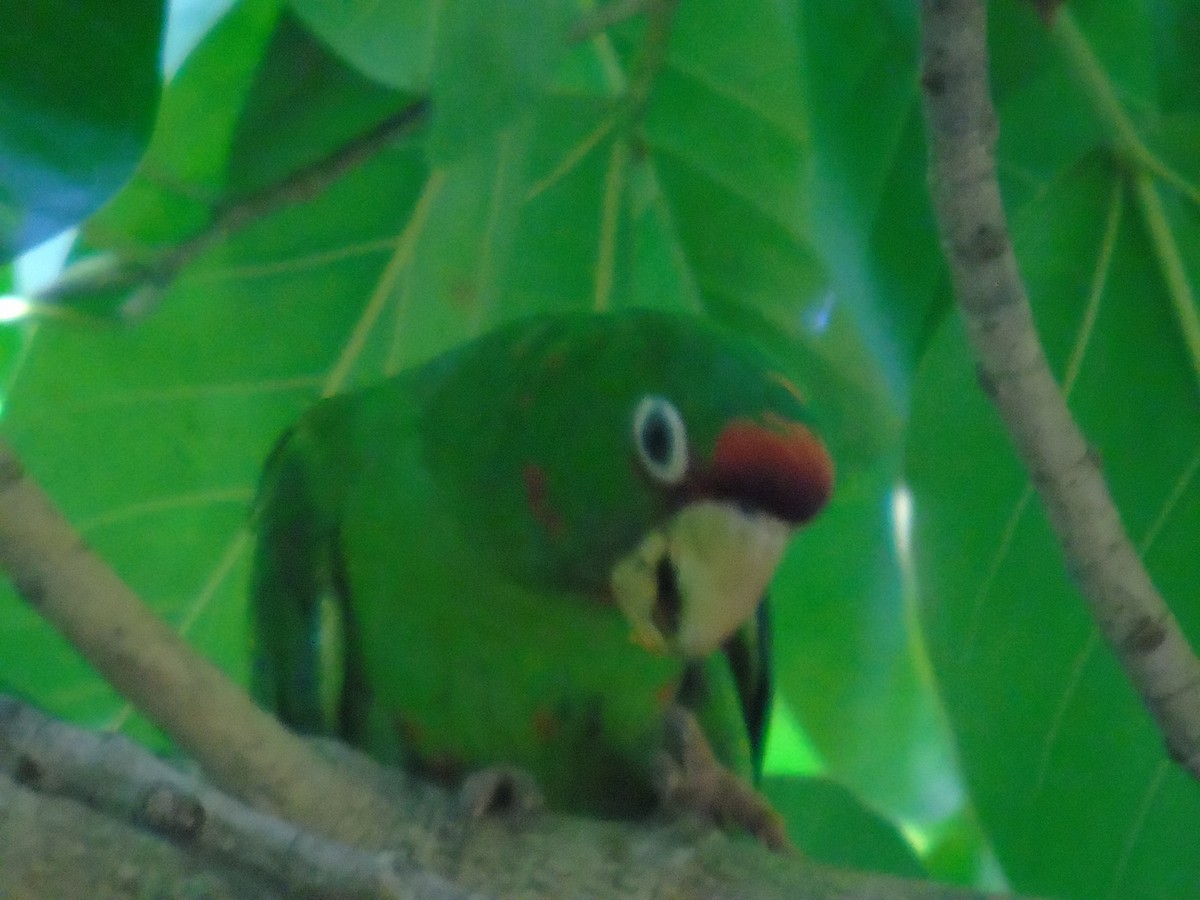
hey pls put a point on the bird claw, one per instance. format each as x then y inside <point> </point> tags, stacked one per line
<point>692,779</point>
<point>499,791</point>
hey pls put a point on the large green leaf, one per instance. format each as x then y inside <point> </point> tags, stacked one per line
<point>78,91</point>
<point>303,105</point>
<point>175,192</point>
<point>849,671</point>
<point>1053,740</point>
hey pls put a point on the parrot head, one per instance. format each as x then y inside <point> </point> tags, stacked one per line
<point>648,460</point>
<point>697,575</point>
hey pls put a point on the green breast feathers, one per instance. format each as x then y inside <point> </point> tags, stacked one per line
<point>528,549</point>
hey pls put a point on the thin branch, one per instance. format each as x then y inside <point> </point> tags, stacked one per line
<point>1132,616</point>
<point>112,774</point>
<point>111,272</point>
<point>651,57</point>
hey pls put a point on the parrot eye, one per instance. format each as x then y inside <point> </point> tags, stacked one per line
<point>661,439</point>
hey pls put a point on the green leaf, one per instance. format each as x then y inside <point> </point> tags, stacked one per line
<point>391,43</point>
<point>831,825</point>
<point>1175,31</point>
<point>491,57</point>
<point>873,222</point>
<point>958,853</point>
<point>177,187</point>
<point>304,104</point>
<point>78,92</point>
<point>846,664</point>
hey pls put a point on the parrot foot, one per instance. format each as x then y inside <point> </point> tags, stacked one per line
<point>696,782</point>
<point>500,791</point>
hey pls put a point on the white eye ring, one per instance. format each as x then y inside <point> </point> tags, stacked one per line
<point>661,439</point>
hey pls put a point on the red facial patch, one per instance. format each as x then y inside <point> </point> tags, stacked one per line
<point>537,496</point>
<point>782,468</point>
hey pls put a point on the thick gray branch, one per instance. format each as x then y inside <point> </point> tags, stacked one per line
<point>112,774</point>
<point>152,826</point>
<point>1129,611</point>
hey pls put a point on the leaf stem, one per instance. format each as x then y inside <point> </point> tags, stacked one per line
<point>610,208</point>
<point>113,272</point>
<point>1170,261</point>
<point>1145,164</point>
<point>1108,108</point>
<point>405,244</point>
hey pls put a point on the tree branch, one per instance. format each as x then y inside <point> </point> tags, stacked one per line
<point>1134,618</point>
<point>111,272</point>
<point>72,801</point>
<point>114,775</point>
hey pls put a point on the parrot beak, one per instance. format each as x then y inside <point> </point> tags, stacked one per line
<point>690,584</point>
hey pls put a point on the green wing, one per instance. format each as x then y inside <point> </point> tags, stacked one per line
<point>290,578</point>
<point>306,659</point>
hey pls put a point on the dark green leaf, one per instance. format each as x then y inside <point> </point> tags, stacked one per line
<point>391,43</point>
<point>304,105</point>
<point>831,825</point>
<point>845,662</point>
<point>873,222</point>
<point>78,92</point>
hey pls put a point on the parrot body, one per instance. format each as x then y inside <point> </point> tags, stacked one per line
<point>526,550</point>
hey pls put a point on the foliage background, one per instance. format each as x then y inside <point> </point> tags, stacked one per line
<point>933,660</point>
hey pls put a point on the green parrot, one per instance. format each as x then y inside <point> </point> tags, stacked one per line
<point>528,550</point>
